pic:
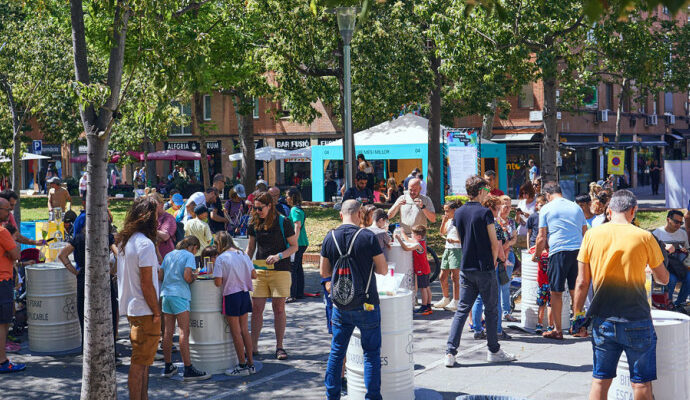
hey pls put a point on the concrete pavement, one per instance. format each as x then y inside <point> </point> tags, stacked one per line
<point>545,369</point>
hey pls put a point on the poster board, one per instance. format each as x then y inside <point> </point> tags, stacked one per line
<point>677,183</point>
<point>463,158</point>
<point>616,162</point>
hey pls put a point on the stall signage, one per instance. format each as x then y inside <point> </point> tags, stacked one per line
<point>292,144</point>
<point>51,149</point>
<point>83,149</point>
<point>326,142</point>
<point>211,147</point>
<point>616,162</point>
<point>37,146</point>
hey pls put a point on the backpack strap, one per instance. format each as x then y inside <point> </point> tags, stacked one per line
<point>281,221</point>
<point>340,253</point>
<point>352,241</point>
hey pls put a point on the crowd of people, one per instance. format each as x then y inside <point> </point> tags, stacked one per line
<point>160,249</point>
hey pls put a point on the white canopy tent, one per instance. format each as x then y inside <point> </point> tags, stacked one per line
<point>25,157</point>
<point>408,129</point>
<point>267,153</point>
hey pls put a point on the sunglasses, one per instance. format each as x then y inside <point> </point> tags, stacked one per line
<point>260,208</point>
<point>675,221</point>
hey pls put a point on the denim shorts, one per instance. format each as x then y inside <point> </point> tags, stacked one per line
<point>637,338</point>
<point>175,305</point>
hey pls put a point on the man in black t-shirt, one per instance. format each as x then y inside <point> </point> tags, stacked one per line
<point>480,247</point>
<point>367,255</point>
<point>360,191</point>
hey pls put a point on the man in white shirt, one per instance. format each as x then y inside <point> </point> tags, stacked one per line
<point>672,234</point>
<point>199,199</point>
<point>137,278</point>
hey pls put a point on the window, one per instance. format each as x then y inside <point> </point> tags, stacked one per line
<point>185,111</point>
<point>626,102</point>
<point>256,108</point>
<point>609,96</point>
<point>643,105</point>
<point>207,107</point>
<point>655,106</point>
<point>526,98</point>
<point>664,9</point>
<point>668,102</point>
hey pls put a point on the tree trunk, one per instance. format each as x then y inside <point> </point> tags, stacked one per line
<point>98,372</point>
<point>549,170</point>
<point>617,137</point>
<point>433,179</point>
<point>245,129</point>
<point>488,121</point>
<point>150,165</point>
<point>16,149</point>
<point>199,131</point>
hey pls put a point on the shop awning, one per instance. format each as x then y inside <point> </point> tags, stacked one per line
<point>515,137</point>
<point>682,132</point>
<point>673,135</point>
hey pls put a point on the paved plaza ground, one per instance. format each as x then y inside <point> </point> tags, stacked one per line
<point>545,369</point>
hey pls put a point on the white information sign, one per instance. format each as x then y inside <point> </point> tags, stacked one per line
<point>462,162</point>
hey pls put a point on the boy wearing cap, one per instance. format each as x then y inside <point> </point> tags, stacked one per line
<point>176,202</point>
<point>199,228</point>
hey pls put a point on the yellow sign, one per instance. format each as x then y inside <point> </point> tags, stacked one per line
<point>616,162</point>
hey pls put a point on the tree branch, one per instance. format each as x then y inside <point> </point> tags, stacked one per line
<point>314,72</point>
<point>571,28</point>
<point>81,67</point>
<point>190,7</point>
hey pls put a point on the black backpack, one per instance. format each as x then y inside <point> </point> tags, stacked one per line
<point>346,292</point>
<point>179,233</point>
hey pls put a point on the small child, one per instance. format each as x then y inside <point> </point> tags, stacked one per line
<point>212,253</point>
<point>543,293</point>
<point>198,227</point>
<point>379,226</point>
<point>234,271</point>
<point>420,265</point>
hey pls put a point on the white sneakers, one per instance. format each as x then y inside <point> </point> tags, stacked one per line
<point>452,306</point>
<point>449,360</point>
<point>442,303</point>
<point>499,356</point>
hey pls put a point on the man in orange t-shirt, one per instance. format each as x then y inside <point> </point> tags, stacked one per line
<point>9,253</point>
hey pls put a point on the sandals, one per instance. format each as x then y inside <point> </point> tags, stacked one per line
<point>553,335</point>
<point>281,354</point>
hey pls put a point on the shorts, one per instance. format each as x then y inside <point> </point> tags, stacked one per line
<point>237,304</point>
<point>6,301</point>
<point>272,284</point>
<point>562,267</point>
<point>451,259</point>
<point>423,281</point>
<point>144,336</point>
<point>174,304</point>
<point>636,338</point>
<point>543,295</point>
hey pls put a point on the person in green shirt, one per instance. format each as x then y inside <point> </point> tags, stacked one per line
<point>298,217</point>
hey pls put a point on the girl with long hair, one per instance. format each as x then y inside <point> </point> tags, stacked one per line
<point>298,218</point>
<point>273,238</point>
<point>233,271</point>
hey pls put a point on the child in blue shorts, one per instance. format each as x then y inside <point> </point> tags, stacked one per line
<point>234,271</point>
<point>178,272</point>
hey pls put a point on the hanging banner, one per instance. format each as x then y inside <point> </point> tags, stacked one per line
<point>616,162</point>
<point>462,157</point>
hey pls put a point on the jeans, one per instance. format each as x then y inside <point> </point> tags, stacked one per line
<point>504,290</point>
<point>473,283</point>
<point>684,288</point>
<point>369,324</point>
<point>297,272</point>
<point>637,338</point>
<point>478,308</point>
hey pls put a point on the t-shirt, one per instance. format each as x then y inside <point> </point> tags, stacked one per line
<point>365,248</point>
<point>410,214</point>
<point>617,255</point>
<point>590,220</point>
<point>139,252</point>
<point>173,266</point>
<point>366,196</point>
<point>564,220</point>
<point>297,214</point>
<point>7,244</point>
<point>12,221</point>
<point>216,207</point>
<point>542,269</point>
<point>235,268</point>
<point>533,224</point>
<point>283,208</point>
<point>79,223</point>
<point>677,237</point>
<point>198,198</point>
<point>452,233</point>
<point>420,261</point>
<point>79,243</point>
<point>598,220</point>
<point>533,172</point>
<point>271,242</point>
<point>167,224</point>
<point>200,229</point>
<point>382,235</point>
<point>471,220</point>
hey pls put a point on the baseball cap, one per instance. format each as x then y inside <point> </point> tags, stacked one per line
<point>177,199</point>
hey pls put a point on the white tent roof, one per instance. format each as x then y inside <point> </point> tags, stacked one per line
<point>408,129</point>
<point>25,157</point>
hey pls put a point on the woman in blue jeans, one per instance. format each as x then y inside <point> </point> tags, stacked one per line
<point>510,234</point>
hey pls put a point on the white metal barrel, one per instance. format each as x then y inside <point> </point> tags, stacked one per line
<point>403,265</point>
<point>210,343</point>
<point>672,360</point>
<point>529,310</point>
<point>242,243</point>
<point>51,300</point>
<point>397,362</point>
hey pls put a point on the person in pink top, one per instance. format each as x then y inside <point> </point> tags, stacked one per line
<point>167,227</point>
<point>234,271</point>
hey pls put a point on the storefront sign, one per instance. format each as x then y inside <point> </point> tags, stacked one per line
<point>616,162</point>
<point>327,141</point>
<point>292,144</point>
<point>51,150</point>
<point>212,147</point>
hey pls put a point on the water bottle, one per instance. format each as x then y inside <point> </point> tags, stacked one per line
<point>397,230</point>
<point>648,285</point>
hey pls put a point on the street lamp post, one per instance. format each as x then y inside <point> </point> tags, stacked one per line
<point>347,17</point>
